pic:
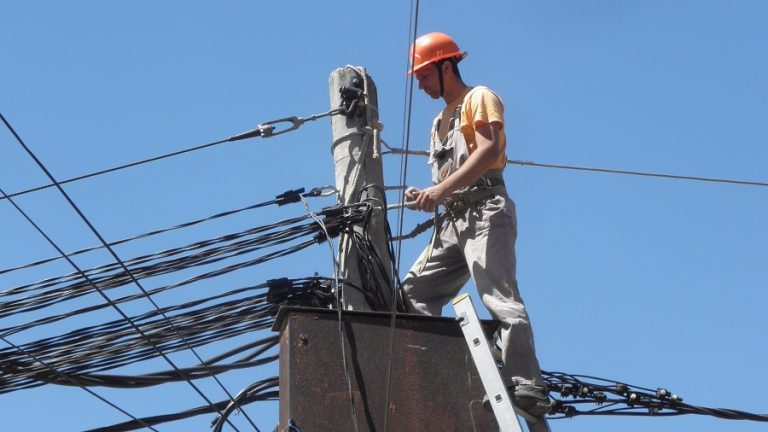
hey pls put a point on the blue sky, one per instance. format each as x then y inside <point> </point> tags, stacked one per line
<point>651,281</point>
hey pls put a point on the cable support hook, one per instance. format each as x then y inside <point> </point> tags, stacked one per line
<point>268,129</point>
<point>322,191</point>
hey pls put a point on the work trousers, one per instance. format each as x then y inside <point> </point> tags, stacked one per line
<point>479,242</point>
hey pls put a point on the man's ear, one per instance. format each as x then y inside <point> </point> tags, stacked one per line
<point>447,68</point>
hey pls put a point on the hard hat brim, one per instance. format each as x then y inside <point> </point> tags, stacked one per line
<point>459,57</point>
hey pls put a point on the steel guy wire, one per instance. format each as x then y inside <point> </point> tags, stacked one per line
<point>523,163</point>
<point>265,130</point>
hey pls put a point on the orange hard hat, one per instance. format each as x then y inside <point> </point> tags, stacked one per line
<point>433,47</point>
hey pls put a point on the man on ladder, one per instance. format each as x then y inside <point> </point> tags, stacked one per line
<point>468,156</point>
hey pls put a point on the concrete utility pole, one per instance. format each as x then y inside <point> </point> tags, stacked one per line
<point>356,155</point>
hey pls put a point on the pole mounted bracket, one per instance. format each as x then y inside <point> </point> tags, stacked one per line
<point>350,96</point>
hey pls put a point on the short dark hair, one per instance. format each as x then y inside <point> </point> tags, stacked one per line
<point>454,65</point>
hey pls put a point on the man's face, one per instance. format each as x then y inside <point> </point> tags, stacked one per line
<point>429,81</point>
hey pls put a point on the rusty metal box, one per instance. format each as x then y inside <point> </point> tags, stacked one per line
<point>428,383</point>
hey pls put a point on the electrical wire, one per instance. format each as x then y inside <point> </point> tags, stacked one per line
<point>263,390</point>
<point>151,233</point>
<point>523,163</point>
<point>339,308</point>
<point>113,169</point>
<point>101,239</point>
<point>408,101</point>
<point>89,391</point>
<point>72,286</point>
<point>621,399</point>
<point>80,355</point>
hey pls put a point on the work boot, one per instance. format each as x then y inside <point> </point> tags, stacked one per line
<point>529,398</point>
<point>532,399</point>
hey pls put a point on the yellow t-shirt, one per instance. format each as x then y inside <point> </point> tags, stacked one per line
<point>481,106</point>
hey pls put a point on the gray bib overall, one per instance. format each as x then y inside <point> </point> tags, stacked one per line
<point>477,240</point>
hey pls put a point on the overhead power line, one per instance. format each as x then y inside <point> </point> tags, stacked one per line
<point>113,169</point>
<point>264,130</point>
<point>636,173</point>
<point>393,150</point>
<point>89,391</point>
<point>287,197</point>
<point>603,397</point>
<point>115,256</point>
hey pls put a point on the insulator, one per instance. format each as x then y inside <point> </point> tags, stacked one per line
<point>676,398</point>
<point>662,393</point>
<point>557,406</point>
<point>653,410</point>
<point>570,411</point>
<point>565,391</point>
<point>584,391</point>
<point>621,389</point>
<point>632,399</point>
<point>600,397</point>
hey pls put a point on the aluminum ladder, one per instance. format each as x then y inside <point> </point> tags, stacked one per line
<point>501,403</point>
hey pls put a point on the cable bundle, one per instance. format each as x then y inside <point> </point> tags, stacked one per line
<point>618,398</point>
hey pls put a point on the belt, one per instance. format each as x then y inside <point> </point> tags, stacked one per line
<point>488,182</point>
<point>486,187</point>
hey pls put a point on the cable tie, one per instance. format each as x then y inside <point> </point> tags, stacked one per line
<point>332,211</point>
<point>600,397</point>
<point>333,229</point>
<point>557,406</point>
<point>279,290</point>
<point>290,196</point>
<point>570,411</point>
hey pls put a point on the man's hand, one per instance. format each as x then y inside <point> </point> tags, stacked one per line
<point>426,199</point>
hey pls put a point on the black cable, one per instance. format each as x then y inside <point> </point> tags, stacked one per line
<point>101,239</point>
<point>407,114</point>
<point>262,391</point>
<point>141,236</point>
<point>109,277</point>
<point>621,399</point>
<point>64,293</point>
<point>420,228</point>
<point>113,169</point>
<point>89,391</point>
<point>261,385</point>
<point>81,353</point>
<point>111,345</point>
<point>401,213</point>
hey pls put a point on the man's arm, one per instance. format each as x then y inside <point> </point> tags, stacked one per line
<point>480,161</point>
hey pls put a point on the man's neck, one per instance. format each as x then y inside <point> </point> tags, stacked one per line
<point>453,93</point>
